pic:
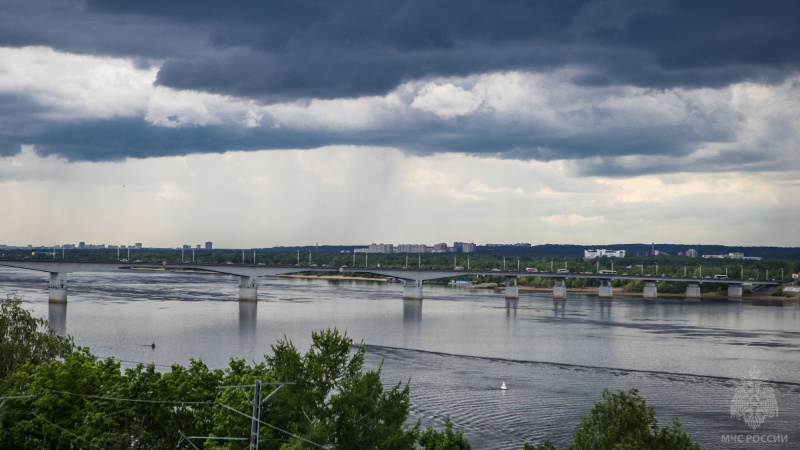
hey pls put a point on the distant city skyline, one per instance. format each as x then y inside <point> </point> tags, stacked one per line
<point>540,121</point>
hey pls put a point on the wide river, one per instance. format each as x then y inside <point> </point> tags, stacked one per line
<point>687,358</point>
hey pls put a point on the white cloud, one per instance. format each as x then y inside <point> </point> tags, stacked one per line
<point>346,114</point>
<point>446,100</point>
<point>76,86</point>
<point>571,220</point>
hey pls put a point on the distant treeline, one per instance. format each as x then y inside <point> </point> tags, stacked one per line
<point>787,253</point>
<point>289,254</point>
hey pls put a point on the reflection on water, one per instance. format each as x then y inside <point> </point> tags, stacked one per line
<point>412,311</point>
<point>248,318</point>
<point>57,315</point>
<point>511,307</point>
<point>605,308</point>
<point>559,307</point>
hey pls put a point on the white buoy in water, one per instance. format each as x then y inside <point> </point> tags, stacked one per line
<point>503,386</point>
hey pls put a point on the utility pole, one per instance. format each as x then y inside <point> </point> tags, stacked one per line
<point>254,256</point>
<point>419,260</point>
<point>242,256</point>
<point>256,425</point>
<point>192,255</point>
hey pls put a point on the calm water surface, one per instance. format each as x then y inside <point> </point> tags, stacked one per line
<point>457,346</point>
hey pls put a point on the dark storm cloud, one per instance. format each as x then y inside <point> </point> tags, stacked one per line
<point>322,49</point>
<point>275,51</point>
<point>351,48</point>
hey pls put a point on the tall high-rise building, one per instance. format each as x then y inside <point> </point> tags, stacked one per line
<point>208,245</point>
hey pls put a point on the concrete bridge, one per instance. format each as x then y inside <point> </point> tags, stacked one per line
<point>412,278</point>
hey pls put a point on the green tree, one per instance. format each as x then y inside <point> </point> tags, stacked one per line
<point>82,401</point>
<point>26,338</point>
<point>432,439</point>
<point>334,401</point>
<point>623,421</point>
<point>54,418</point>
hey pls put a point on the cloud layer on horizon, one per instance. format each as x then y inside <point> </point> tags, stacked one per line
<point>356,195</point>
<point>617,87</point>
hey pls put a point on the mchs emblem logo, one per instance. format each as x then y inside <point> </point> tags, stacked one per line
<point>753,402</point>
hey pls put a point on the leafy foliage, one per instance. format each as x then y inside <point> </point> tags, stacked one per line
<point>432,439</point>
<point>335,401</point>
<point>83,401</point>
<point>26,338</point>
<point>623,421</point>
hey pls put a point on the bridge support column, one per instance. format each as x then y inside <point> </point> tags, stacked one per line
<point>735,291</point>
<point>58,287</point>
<point>650,290</point>
<point>248,289</point>
<point>512,291</point>
<point>412,290</point>
<point>605,289</point>
<point>693,290</point>
<point>560,289</point>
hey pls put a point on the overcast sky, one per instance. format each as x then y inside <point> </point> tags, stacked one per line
<point>265,123</point>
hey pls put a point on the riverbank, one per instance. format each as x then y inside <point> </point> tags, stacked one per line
<point>617,292</point>
<point>332,277</point>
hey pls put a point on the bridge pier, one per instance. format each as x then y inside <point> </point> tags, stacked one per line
<point>58,287</point>
<point>650,290</point>
<point>412,290</point>
<point>735,291</point>
<point>512,291</point>
<point>692,290</point>
<point>605,290</point>
<point>248,289</point>
<point>560,289</point>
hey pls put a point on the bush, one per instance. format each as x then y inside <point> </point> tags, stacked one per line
<point>624,421</point>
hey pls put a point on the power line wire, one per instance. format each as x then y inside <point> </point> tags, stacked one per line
<point>271,426</point>
<point>154,401</point>
<point>64,430</point>
<point>98,397</point>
